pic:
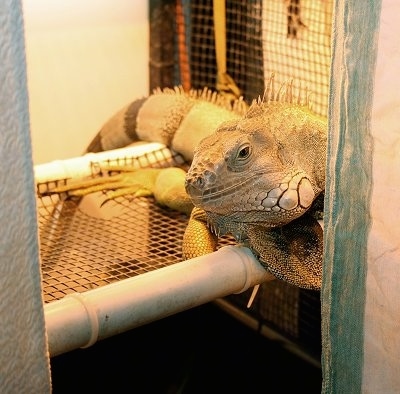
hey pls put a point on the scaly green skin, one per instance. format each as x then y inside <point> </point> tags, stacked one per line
<point>255,176</point>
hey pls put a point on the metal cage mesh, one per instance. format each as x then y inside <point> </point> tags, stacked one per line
<point>290,38</point>
<point>85,245</point>
<point>82,249</point>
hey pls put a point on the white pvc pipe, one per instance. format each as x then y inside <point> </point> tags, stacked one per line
<point>80,166</point>
<point>80,319</point>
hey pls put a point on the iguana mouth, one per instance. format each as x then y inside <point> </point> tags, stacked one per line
<point>293,192</point>
<point>195,187</point>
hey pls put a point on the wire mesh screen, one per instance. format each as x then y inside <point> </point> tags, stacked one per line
<point>292,312</point>
<point>86,244</point>
<point>290,38</point>
<point>296,36</point>
<point>244,46</point>
<point>83,248</point>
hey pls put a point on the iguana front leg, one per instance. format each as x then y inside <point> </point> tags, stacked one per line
<point>292,252</point>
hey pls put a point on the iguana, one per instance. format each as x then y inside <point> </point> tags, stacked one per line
<point>257,177</point>
<point>256,172</point>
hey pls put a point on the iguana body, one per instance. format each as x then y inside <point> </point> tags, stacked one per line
<point>172,117</point>
<point>255,176</point>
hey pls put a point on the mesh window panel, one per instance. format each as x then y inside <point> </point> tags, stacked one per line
<point>84,247</point>
<point>244,45</point>
<point>296,45</point>
<point>288,38</point>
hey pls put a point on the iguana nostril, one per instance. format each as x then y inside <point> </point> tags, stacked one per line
<point>199,182</point>
<point>194,184</point>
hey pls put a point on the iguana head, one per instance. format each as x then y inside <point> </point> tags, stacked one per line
<point>259,169</point>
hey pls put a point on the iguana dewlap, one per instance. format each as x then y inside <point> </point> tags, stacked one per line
<point>257,176</point>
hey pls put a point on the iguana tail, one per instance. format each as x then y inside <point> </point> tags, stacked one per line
<point>119,131</point>
<point>173,117</point>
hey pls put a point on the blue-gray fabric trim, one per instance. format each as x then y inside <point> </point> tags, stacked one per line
<point>348,191</point>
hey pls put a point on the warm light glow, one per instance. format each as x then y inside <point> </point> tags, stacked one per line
<point>85,61</point>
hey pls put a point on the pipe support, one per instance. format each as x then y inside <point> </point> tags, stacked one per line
<point>80,319</point>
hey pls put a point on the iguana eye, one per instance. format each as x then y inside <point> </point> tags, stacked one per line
<point>238,158</point>
<point>244,152</point>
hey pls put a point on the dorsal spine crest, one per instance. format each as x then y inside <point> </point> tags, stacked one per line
<point>238,106</point>
<point>285,94</point>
